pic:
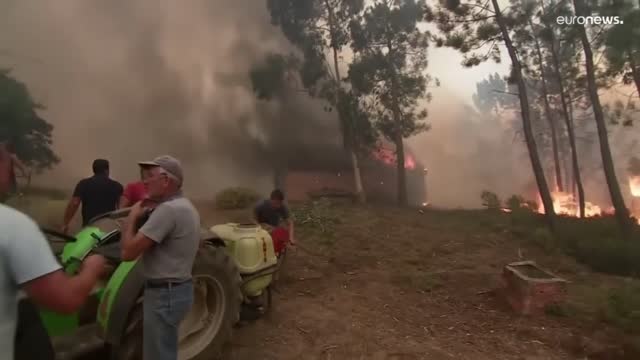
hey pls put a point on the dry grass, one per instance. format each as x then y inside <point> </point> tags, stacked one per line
<point>44,210</point>
<point>398,283</point>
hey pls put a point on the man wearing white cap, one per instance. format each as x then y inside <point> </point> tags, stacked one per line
<point>167,244</point>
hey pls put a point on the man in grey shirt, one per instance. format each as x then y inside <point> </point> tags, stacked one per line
<point>167,244</point>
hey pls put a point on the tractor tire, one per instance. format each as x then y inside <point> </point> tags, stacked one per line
<point>206,329</point>
<point>216,306</point>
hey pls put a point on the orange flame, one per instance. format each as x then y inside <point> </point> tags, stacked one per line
<point>634,185</point>
<point>566,204</point>
<point>388,157</point>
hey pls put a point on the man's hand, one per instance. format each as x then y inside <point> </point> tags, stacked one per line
<point>136,211</point>
<point>64,229</point>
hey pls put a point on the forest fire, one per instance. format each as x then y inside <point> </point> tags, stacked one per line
<point>634,186</point>
<point>388,156</point>
<point>566,204</point>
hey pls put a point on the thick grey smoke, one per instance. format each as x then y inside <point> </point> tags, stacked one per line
<point>128,80</point>
<point>466,154</point>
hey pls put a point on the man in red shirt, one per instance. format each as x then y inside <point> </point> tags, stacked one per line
<point>135,191</point>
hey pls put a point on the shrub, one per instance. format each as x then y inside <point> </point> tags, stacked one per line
<point>516,202</point>
<point>544,239</point>
<point>236,198</point>
<point>623,308</point>
<point>317,215</point>
<point>597,243</point>
<point>490,200</point>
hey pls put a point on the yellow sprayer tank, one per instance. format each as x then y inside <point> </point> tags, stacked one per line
<point>252,249</point>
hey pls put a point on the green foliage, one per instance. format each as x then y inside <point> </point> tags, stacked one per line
<point>491,200</point>
<point>468,27</point>
<point>544,239</point>
<point>236,198</point>
<point>516,202</point>
<point>622,48</point>
<point>22,126</point>
<point>391,59</point>
<point>623,308</point>
<point>596,242</point>
<point>318,216</point>
<point>318,27</point>
<point>270,77</point>
<point>355,112</point>
<point>491,94</point>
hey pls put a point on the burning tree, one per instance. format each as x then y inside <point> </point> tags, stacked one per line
<point>389,67</point>
<point>470,25</point>
<point>634,185</point>
<point>622,213</point>
<point>318,27</point>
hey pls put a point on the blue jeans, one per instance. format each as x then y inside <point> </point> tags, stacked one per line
<point>163,310</point>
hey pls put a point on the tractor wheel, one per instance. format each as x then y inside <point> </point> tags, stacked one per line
<point>207,327</point>
<point>216,306</point>
<point>131,346</point>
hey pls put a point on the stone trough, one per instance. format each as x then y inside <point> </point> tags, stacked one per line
<point>529,289</point>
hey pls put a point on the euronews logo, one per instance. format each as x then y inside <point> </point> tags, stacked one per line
<point>589,20</point>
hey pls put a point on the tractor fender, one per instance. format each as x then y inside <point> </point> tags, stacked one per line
<point>214,241</point>
<point>122,293</point>
<point>208,237</point>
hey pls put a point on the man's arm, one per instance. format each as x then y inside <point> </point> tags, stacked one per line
<point>287,217</point>
<point>155,230</point>
<point>61,293</point>
<point>70,212</point>
<point>72,206</point>
<point>291,234</point>
<point>34,267</point>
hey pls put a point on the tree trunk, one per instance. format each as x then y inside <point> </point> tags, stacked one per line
<point>347,135</point>
<point>402,175</point>
<point>547,111</point>
<point>397,136</point>
<point>538,172</point>
<point>577,173</point>
<point>568,120</point>
<point>622,213</point>
<point>397,139</point>
<point>635,72</point>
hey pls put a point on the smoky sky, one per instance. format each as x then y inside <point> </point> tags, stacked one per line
<point>129,80</point>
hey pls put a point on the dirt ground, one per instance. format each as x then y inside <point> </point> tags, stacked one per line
<point>386,283</point>
<point>401,284</point>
